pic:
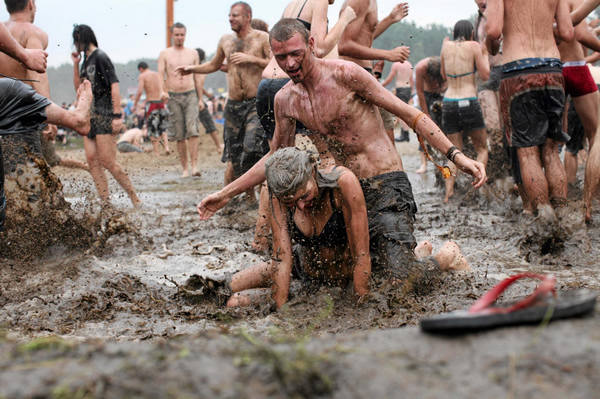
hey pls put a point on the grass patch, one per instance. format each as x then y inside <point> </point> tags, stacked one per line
<point>51,343</point>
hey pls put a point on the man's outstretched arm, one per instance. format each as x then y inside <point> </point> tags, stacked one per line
<point>208,67</point>
<point>283,137</point>
<point>34,59</point>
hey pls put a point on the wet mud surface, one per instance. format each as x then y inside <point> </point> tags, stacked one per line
<point>118,320</point>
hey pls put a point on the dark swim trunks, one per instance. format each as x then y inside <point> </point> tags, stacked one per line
<point>493,82</point>
<point>404,93</point>
<point>157,117</point>
<point>100,125</point>
<point>391,212</point>
<point>574,130</point>
<point>22,112</point>
<point>207,120</point>
<point>532,101</point>
<point>265,106</point>
<point>244,137</point>
<point>461,115</point>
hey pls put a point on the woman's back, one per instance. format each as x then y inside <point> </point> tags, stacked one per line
<point>459,66</point>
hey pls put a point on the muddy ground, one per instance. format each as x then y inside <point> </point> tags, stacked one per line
<point>115,320</point>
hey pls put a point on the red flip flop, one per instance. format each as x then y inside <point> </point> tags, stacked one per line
<point>543,303</point>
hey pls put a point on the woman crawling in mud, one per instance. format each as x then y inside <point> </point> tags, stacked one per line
<point>320,232</point>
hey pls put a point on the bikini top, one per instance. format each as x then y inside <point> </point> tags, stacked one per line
<point>305,23</point>
<point>332,235</point>
<point>462,74</point>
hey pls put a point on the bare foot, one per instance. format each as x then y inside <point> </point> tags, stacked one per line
<point>450,258</point>
<point>185,173</point>
<point>196,173</point>
<point>167,152</point>
<point>423,249</point>
<point>84,103</point>
<point>422,169</point>
<point>260,245</point>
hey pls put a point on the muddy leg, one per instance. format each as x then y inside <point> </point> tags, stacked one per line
<point>555,172</point>
<point>534,179</point>
<point>263,222</point>
<point>592,179</point>
<point>78,119</point>
<point>193,149</point>
<point>91,155</point>
<point>182,150</point>
<point>107,153</point>
<point>244,284</point>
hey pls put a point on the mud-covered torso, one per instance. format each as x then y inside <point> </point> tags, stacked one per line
<point>243,79</point>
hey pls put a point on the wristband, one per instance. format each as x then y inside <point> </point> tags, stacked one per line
<point>451,151</point>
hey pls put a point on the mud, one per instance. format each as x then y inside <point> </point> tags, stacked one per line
<point>75,318</point>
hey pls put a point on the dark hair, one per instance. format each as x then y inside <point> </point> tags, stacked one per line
<point>142,65</point>
<point>84,36</point>
<point>463,30</point>
<point>286,28</point>
<point>177,25</point>
<point>259,24</point>
<point>13,6</point>
<point>245,6</point>
<point>201,54</point>
<point>434,69</point>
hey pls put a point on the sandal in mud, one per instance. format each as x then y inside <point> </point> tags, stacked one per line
<point>543,305</point>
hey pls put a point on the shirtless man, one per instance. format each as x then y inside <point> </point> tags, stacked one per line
<point>20,25</point>
<point>247,53</point>
<point>531,93</point>
<point>356,139</point>
<point>204,114</point>
<point>357,41</point>
<point>132,140</point>
<point>185,96</point>
<point>402,72</point>
<point>580,85</point>
<point>430,87</point>
<point>156,112</point>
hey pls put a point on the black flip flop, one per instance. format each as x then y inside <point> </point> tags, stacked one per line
<point>542,305</point>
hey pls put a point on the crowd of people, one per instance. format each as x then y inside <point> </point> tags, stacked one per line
<point>347,211</point>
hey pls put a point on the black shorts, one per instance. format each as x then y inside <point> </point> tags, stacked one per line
<point>404,93</point>
<point>391,212</point>
<point>100,124</point>
<point>207,120</point>
<point>462,115</point>
<point>243,135</point>
<point>575,131</point>
<point>265,106</point>
<point>434,105</point>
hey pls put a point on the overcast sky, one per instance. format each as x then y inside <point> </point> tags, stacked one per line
<point>131,29</point>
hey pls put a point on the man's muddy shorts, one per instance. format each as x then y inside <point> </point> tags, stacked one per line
<point>49,152</point>
<point>493,83</point>
<point>207,120</point>
<point>532,102</point>
<point>404,93</point>
<point>391,212</point>
<point>244,137</point>
<point>157,118</point>
<point>100,124</point>
<point>461,115</point>
<point>578,79</point>
<point>265,106</point>
<point>574,130</point>
<point>184,114</point>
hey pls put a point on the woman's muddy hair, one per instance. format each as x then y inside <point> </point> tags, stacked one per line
<point>83,36</point>
<point>288,170</point>
<point>434,69</point>
<point>463,30</point>
<point>286,28</point>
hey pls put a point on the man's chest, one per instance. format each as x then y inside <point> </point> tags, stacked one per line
<point>246,46</point>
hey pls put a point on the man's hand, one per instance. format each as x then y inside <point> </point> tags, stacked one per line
<point>240,58</point>
<point>35,59</point>
<point>211,204</point>
<point>183,70</point>
<point>164,96</point>
<point>117,125</point>
<point>474,168</point>
<point>399,54</point>
<point>76,57</point>
<point>201,105</point>
<point>399,12</point>
<point>49,132</point>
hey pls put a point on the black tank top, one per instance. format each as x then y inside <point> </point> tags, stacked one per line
<point>332,235</point>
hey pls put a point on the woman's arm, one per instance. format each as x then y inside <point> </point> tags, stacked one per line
<point>326,41</point>
<point>357,229</point>
<point>282,254</point>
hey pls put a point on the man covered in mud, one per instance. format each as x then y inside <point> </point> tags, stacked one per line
<point>532,94</point>
<point>430,86</point>
<point>357,41</point>
<point>247,53</point>
<point>356,138</point>
<point>157,115</point>
<point>20,25</point>
<point>185,95</point>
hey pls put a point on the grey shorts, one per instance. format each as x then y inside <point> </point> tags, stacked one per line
<point>184,114</point>
<point>207,120</point>
<point>388,119</point>
<point>124,146</point>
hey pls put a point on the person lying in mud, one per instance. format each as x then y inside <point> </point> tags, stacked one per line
<point>355,137</point>
<point>320,232</point>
